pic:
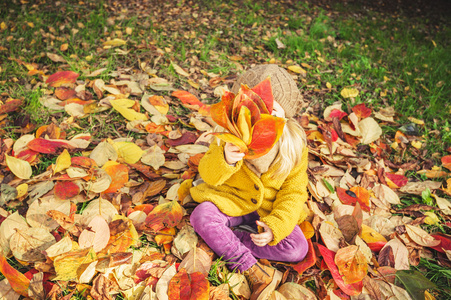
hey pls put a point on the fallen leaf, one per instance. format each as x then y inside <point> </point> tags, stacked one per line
<point>179,70</point>
<point>130,152</point>
<point>414,282</point>
<point>164,215</point>
<point>67,265</point>
<point>123,107</point>
<point>420,236</point>
<point>96,235</point>
<point>62,78</point>
<point>400,254</point>
<point>162,285</point>
<point>119,175</point>
<point>329,258</point>
<point>370,130</point>
<point>197,260</point>
<point>308,261</point>
<point>351,264</point>
<point>18,167</point>
<point>28,245</point>
<point>292,291</point>
<point>66,189</point>
<point>8,227</point>
<point>100,207</point>
<point>349,93</point>
<point>16,280</point>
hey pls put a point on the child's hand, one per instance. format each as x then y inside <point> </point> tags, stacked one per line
<point>232,154</point>
<point>262,239</point>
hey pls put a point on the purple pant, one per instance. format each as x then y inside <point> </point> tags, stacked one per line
<point>236,247</point>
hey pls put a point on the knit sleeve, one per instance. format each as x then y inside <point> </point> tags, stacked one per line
<point>289,202</point>
<point>213,167</point>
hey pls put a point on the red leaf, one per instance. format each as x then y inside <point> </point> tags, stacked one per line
<point>398,180</point>
<point>336,113</point>
<point>446,162</point>
<point>10,106</point>
<point>264,90</point>
<point>147,208</point>
<point>179,286</point>
<point>47,146</point>
<point>265,133</point>
<point>66,189</point>
<point>445,242</point>
<point>376,246</point>
<point>329,257</point>
<point>361,111</point>
<point>28,155</point>
<point>188,99</point>
<point>18,281</point>
<point>188,137</point>
<point>308,261</point>
<point>355,194</point>
<point>164,215</point>
<point>262,105</point>
<point>61,78</point>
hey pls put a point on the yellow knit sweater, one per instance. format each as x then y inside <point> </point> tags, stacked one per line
<point>238,191</point>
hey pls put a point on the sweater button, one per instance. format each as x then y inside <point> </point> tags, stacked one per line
<point>256,187</point>
<point>253,200</point>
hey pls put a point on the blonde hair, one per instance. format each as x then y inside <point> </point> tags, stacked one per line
<point>291,144</point>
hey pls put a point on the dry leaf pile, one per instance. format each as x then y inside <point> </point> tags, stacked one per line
<point>86,225</point>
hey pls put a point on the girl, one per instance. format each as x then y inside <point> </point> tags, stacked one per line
<point>267,193</point>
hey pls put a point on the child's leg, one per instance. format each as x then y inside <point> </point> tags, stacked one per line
<point>214,228</point>
<point>293,248</point>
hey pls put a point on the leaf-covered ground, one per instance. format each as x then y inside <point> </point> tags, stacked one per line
<point>105,116</point>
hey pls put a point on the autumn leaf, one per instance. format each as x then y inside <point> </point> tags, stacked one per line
<point>446,162</point>
<point>66,189</point>
<point>349,93</point>
<point>362,111</point>
<point>395,180</point>
<point>351,263</point>
<point>118,173</point>
<point>308,261</point>
<point>17,280</point>
<point>18,167</point>
<point>62,78</point>
<point>420,236</point>
<point>164,215</point>
<point>68,264</point>
<point>329,258</point>
<point>188,99</point>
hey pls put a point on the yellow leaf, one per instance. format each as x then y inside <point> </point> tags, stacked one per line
<point>18,167</point>
<point>417,144</point>
<point>433,43</point>
<point>114,43</point>
<point>30,24</point>
<point>383,93</point>
<point>129,151</point>
<point>64,47</point>
<point>67,264</point>
<point>22,190</point>
<point>128,30</point>
<point>3,26</point>
<point>307,66</point>
<point>369,235</point>
<point>431,218</point>
<point>297,69</point>
<point>179,70</point>
<point>62,162</point>
<point>183,190</point>
<point>121,105</point>
<point>328,85</point>
<point>349,92</point>
<point>386,78</point>
<point>307,229</point>
<point>244,124</point>
<point>416,121</point>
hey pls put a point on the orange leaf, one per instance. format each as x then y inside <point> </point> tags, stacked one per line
<point>446,162</point>
<point>307,229</point>
<point>179,286</point>
<point>329,258</point>
<point>159,103</point>
<point>118,174</point>
<point>17,280</point>
<point>351,263</point>
<point>83,161</point>
<point>363,197</point>
<point>61,78</point>
<point>308,261</point>
<point>265,133</point>
<point>188,99</point>
<point>252,95</point>
<point>361,111</point>
<point>165,236</point>
<point>219,113</point>
<point>66,189</point>
<point>64,93</point>
<point>164,215</point>
<point>200,287</point>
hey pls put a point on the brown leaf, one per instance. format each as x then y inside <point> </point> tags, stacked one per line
<point>349,227</point>
<point>101,288</point>
<point>197,260</point>
<point>386,257</point>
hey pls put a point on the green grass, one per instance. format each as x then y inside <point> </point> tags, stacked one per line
<point>437,274</point>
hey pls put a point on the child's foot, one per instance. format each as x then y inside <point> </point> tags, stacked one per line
<point>263,280</point>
